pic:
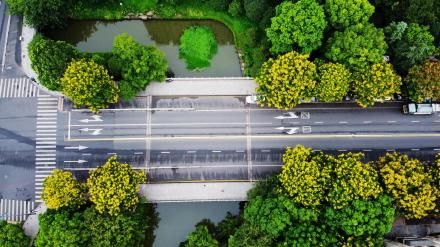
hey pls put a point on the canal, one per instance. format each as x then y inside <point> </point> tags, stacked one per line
<point>177,220</point>
<point>97,36</point>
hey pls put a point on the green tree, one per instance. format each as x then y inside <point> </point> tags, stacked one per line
<point>249,235</point>
<point>357,46</point>
<point>345,13</point>
<point>50,59</point>
<point>423,81</point>
<point>376,83</point>
<point>42,14</point>
<point>197,47</point>
<point>12,235</point>
<point>305,175</point>
<point>408,183</point>
<point>297,25</point>
<point>87,83</point>
<point>287,80</point>
<point>363,218</point>
<point>61,189</point>
<point>254,9</point>
<point>352,180</point>
<point>333,82</point>
<point>140,64</point>
<point>235,8</point>
<point>16,7</point>
<point>201,237</point>
<point>412,46</point>
<point>226,228</point>
<point>113,187</point>
<point>120,230</point>
<point>62,228</point>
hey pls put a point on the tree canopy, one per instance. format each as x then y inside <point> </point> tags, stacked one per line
<point>287,80</point>
<point>423,81</point>
<point>12,235</point>
<point>305,175</point>
<point>50,59</point>
<point>408,183</point>
<point>333,82</point>
<point>376,83</point>
<point>201,237</point>
<point>113,187</point>
<point>357,46</point>
<point>197,47</point>
<point>298,25</point>
<point>345,13</point>
<point>87,83</point>
<point>61,189</point>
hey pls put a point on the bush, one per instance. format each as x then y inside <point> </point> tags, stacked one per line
<point>50,59</point>
<point>12,235</point>
<point>87,83</point>
<point>235,8</point>
<point>197,47</point>
<point>61,189</point>
<point>113,187</point>
<point>254,9</point>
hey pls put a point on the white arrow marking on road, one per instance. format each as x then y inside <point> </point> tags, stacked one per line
<point>75,161</point>
<point>290,115</point>
<point>291,130</point>
<point>95,131</point>
<point>95,118</point>
<point>78,147</point>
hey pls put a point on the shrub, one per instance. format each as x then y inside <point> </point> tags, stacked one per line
<point>235,8</point>
<point>197,47</point>
<point>12,235</point>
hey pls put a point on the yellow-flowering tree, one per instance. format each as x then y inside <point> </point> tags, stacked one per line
<point>87,83</point>
<point>113,187</point>
<point>352,180</point>
<point>61,189</point>
<point>376,83</point>
<point>333,82</point>
<point>408,182</point>
<point>305,175</point>
<point>286,80</point>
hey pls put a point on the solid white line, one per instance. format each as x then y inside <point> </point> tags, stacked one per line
<point>343,122</point>
<point>415,121</point>
<point>45,151</point>
<point>163,124</point>
<point>164,152</point>
<point>45,146</point>
<point>191,151</point>
<point>216,151</point>
<point>6,43</point>
<point>68,127</point>
<point>45,163</point>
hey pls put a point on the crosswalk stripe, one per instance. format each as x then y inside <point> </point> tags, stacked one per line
<point>46,167</point>
<point>46,99</point>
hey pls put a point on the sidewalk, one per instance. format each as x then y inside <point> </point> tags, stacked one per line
<point>31,226</point>
<point>202,86</point>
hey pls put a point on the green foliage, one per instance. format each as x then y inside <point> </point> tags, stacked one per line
<point>61,189</point>
<point>87,83</point>
<point>357,46</point>
<point>297,25</point>
<point>409,185</point>
<point>333,82</point>
<point>121,229</point>
<point>16,7</point>
<point>12,235</point>
<point>305,175</point>
<point>306,234</point>
<point>254,9</point>
<point>113,187</point>
<point>363,218</point>
<point>423,81</point>
<point>352,180</point>
<point>197,47</point>
<point>235,8</point>
<point>201,238</point>
<point>62,228</point>
<point>376,83</point>
<point>139,64</point>
<point>286,80</point>
<point>345,13</point>
<point>50,59</point>
<point>45,14</point>
<point>412,46</point>
<point>249,235</point>
<point>227,228</point>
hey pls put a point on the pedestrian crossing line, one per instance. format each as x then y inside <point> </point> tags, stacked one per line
<point>46,167</point>
<point>46,134</point>
<point>44,163</point>
<point>44,103</point>
<point>45,155</point>
<point>15,210</point>
<point>19,87</point>
<point>40,130</point>
<point>43,171</point>
<point>46,126</point>
<point>46,138</point>
<point>47,99</point>
<point>46,118</point>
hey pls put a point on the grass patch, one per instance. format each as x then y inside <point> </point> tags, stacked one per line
<point>111,10</point>
<point>197,47</point>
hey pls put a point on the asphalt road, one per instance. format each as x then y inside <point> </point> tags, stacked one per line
<point>222,138</point>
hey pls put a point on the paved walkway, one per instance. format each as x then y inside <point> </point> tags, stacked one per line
<point>31,226</point>
<point>196,192</point>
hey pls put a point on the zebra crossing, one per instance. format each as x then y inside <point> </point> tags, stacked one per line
<point>15,210</point>
<point>45,146</point>
<point>17,88</point>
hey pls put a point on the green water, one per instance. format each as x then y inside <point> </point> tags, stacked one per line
<point>97,36</point>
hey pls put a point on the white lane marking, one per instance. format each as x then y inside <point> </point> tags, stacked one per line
<point>265,150</point>
<point>46,138</point>
<point>45,163</point>
<point>164,152</point>
<point>319,122</point>
<point>41,159</point>
<point>216,151</point>
<point>436,149</point>
<point>45,154</point>
<point>46,111</point>
<point>415,121</point>
<point>342,150</point>
<point>167,124</point>
<point>46,118</point>
<point>391,150</point>
<point>46,126</point>
<point>46,99</point>
<point>367,150</point>
<point>54,103</point>
<point>437,121</point>
<point>86,154</point>
<point>343,122</point>
<point>46,134</point>
<point>46,151</point>
<point>45,142</point>
<point>45,147</point>
<point>392,121</point>
<point>6,42</point>
<point>317,150</point>
<point>415,149</point>
<point>46,167</point>
<point>367,122</point>
<point>40,130</point>
<point>112,153</point>
<point>137,153</point>
<point>191,151</point>
<point>239,151</point>
<point>38,123</point>
<point>47,114</point>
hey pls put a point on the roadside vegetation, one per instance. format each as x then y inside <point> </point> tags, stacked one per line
<point>104,211</point>
<point>358,34</point>
<point>12,235</point>
<point>197,47</point>
<point>328,200</point>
